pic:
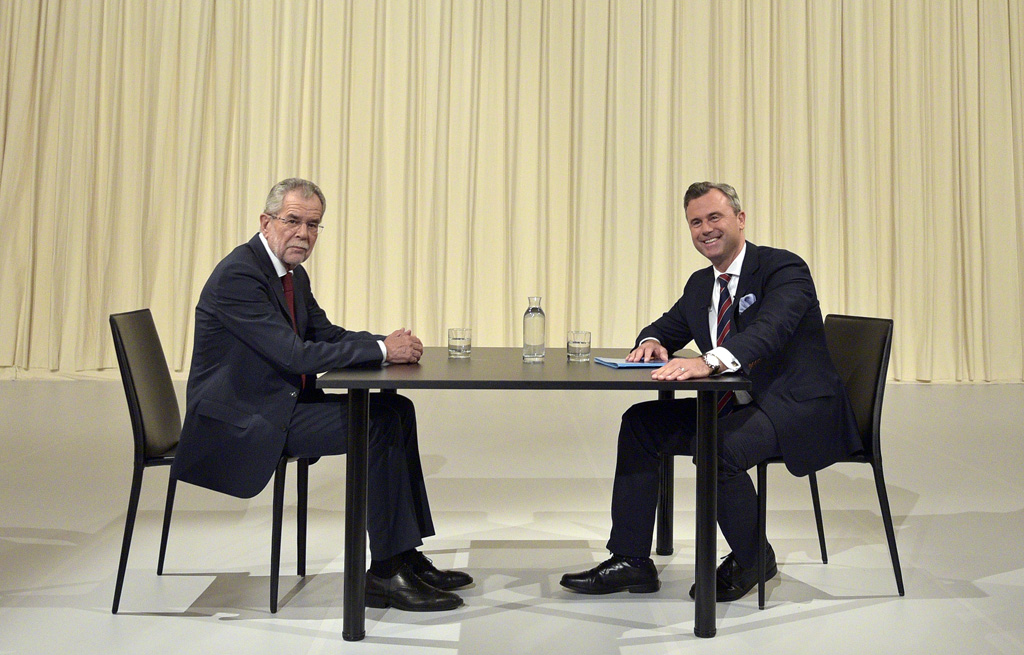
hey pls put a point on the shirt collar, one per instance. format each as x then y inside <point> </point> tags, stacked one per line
<point>734,268</point>
<point>278,266</point>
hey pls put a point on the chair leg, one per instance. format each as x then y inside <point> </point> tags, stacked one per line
<point>129,527</point>
<point>275,536</point>
<point>890,533</point>
<point>666,489</point>
<point>813,478</point>
<point>168,506</point>
<point>762,523</point>
<point>302,486</point>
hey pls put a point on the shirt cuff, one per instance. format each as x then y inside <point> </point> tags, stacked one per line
<point>383,351</point>
<point>729,363</point>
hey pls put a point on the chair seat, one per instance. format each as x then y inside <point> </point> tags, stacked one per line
<point>163,458</point>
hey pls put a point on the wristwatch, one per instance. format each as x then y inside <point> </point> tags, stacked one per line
<point>712,363</point>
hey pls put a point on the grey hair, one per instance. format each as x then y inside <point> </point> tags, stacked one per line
<point>698,189</point>
<point>276,196</point>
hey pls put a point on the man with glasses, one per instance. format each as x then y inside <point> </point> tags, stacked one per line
<point>260,338</point>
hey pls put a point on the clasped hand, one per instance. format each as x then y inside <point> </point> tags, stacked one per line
<point>675,369</point>
<point>403,347</point>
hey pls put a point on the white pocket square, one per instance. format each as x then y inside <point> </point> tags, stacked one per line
<point>747,301</point>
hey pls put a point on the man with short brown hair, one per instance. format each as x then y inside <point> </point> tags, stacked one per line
<point>754,310</point>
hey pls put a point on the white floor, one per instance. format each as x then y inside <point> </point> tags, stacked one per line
<point>520,484</point>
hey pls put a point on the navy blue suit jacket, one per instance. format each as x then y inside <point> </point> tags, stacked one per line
<point>246,370</point>
<point>779,339</point>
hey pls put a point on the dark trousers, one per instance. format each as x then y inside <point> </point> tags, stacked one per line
<point>745,438</point>
<point>397,513</point>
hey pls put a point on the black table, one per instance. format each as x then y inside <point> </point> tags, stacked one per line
<point>503,368</point>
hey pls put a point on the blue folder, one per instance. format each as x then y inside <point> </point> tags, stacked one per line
<point>616,362</point>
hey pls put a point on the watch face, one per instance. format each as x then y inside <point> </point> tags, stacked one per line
<point>714,367</point>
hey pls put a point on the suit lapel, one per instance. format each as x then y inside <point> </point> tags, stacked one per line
<point>698,309</point>
<point>268,270</point>
<point>302,292</point>
<point>746,283</point>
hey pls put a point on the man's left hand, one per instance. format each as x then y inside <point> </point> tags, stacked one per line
<point>682,369</point>
<point>403,347</point>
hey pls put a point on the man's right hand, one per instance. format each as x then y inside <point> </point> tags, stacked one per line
<point>403,347</point>
<point>649,351</point>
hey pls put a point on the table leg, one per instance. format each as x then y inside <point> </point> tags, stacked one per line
<point>666,493</point>
<point>707,512</point>
<point>354,626</point>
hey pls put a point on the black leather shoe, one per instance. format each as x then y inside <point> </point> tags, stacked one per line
<point>444,580</point>
<point>733,581</point>
<point>614,574</point>
<point>405,591</point>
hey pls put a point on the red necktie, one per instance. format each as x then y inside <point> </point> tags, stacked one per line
<point>289,296</point>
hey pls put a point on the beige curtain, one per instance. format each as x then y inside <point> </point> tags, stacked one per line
<point>477,152</point>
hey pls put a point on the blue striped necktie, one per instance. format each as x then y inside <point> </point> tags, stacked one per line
<point>727,399</point>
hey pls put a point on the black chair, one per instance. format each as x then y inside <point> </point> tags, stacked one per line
<point>156,425</point>
<point>860,349</point>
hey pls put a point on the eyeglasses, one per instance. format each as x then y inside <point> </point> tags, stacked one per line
<point>293,224</point>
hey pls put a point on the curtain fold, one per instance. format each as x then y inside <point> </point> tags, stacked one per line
<point>476,153</point>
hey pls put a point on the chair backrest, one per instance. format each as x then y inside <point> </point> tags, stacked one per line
<point>860,347</point>
<point>152,403</point>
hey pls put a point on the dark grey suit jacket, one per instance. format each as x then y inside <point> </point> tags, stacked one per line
<point>246,370</point>
<point>779,340</point>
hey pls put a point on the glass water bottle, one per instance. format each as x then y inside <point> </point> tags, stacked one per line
<point>533,331</point>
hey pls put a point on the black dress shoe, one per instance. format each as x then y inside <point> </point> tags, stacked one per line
<point>444,580</point>
<point>615,574</point>
<point>405,591</point>
<point>733,581</point>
